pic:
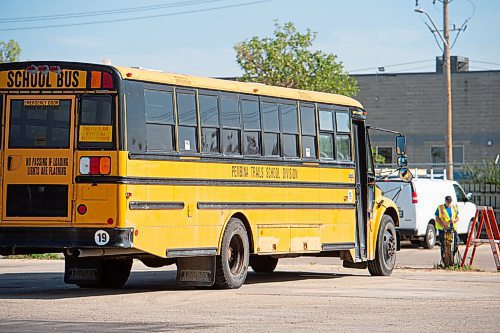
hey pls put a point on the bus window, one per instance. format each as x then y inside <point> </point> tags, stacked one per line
<point>209,118</point>
<point>231,126</point>
<point>39,126</point>
<point>160,123</point>
<point>136,121</point>
<point>186,113</point>
<point>308,122</point>
<point>343,141</point>
<point>96,111</point>
<point>270,119</point>
<point>290,130</point>
<point>251,126</point>
<point>326,133</point>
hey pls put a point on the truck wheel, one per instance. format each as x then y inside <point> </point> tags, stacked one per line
<point>385,249</point>
<point>263,264</point>
<point>430,236</point>
<point>231,266</point>
<point>115,272</point>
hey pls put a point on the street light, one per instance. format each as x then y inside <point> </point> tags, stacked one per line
<point>447,72</point>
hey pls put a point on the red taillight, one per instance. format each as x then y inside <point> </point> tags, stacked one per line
<point>414,198</point>
<point>107,80</point>
<point>110,221</point>
<point>95,165</point>
<point>82,209</point>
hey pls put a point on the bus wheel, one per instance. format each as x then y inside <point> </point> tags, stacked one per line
<point>385,249</point>
<point>430,236</point>
<point>115,272</point>
<point>263,264</point>
<point>232,264</point>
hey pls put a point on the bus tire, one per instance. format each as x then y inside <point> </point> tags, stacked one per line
<point>430,237</point>
<point>385,249</point>
<point>231,266</point>
<point>115,272</point>
<point>263,264</point>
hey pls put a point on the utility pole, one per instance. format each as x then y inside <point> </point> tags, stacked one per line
<point>447,73</point>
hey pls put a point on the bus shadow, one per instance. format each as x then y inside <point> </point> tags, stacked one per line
<point>51,285</point>
<point>256,278</point>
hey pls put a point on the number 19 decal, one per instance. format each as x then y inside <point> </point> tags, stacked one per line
<point>101,237</point>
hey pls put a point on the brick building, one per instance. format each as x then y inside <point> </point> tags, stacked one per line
<point>414,104</point>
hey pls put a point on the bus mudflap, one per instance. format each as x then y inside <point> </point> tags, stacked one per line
<point>196,271</point>
<point>82,271</point>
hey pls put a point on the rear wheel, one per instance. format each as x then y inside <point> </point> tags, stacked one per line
<point>115,272</point>
<point>430,236</point>
<point>263,264</point>
<point>232,263</point>
<point>385,250</point>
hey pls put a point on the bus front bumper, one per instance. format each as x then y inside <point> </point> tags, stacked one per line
<point>14,239</point>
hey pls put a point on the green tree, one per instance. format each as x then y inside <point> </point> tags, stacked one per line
<point>286,60</point>
<point>9,51</point>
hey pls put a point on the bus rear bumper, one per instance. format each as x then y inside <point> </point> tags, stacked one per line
<point>18,240</point>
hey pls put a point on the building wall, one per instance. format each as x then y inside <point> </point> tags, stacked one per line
<point>414,104</point>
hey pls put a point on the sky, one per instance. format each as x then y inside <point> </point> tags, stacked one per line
<point>197,37</point>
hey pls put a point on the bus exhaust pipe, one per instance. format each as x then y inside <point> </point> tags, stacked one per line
<point>81,253</point>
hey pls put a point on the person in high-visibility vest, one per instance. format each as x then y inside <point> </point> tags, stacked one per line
<point>446,216</point>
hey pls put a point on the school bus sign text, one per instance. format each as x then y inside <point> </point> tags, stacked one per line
<point>47,166</point>
<point>22,79</point>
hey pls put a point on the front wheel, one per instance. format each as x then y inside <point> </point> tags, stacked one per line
<point>232,264</point>
<point>430,236</point>
<point>385,249</point>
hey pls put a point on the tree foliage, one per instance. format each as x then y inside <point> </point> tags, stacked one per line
<point>286,60</point>
<point>9,51</point>
<point>484,173</point>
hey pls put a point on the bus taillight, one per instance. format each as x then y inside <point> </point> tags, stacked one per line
<point>95,165</point>
<point>101,80</point>
<point>107,80</point>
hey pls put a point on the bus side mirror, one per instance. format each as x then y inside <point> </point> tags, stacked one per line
<point>405,175</point>
<point>402,161</point>
<point>469,196</point>
<point>400,145</point>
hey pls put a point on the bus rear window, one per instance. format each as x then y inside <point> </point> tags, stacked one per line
<point>95,122</point>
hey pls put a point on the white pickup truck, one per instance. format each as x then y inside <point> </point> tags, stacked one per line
<point>417,202</point>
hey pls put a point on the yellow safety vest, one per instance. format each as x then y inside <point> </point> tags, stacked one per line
<point>444,217</point>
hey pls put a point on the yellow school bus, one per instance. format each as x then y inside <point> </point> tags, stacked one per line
<point>109,164</point>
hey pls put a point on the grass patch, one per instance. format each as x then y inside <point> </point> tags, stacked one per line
<point>457,267</point>
<point>39,256</point>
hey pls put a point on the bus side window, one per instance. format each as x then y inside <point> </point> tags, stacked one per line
<point>251,127</point>
<point>231,125</point>
<point>187,120</point>
<point>271,124</point>
<point>209,119</point>
<point>290,123</point>
<point>308,122</point>
<point>159,107</point>
<point>343,138</point>
<point>136,120</point>
<point>326,133</point>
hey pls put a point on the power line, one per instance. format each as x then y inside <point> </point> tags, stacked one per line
<point>485,62</point>
<point>393,65</point>
<point>103,12</point>
<point>141,17</point>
